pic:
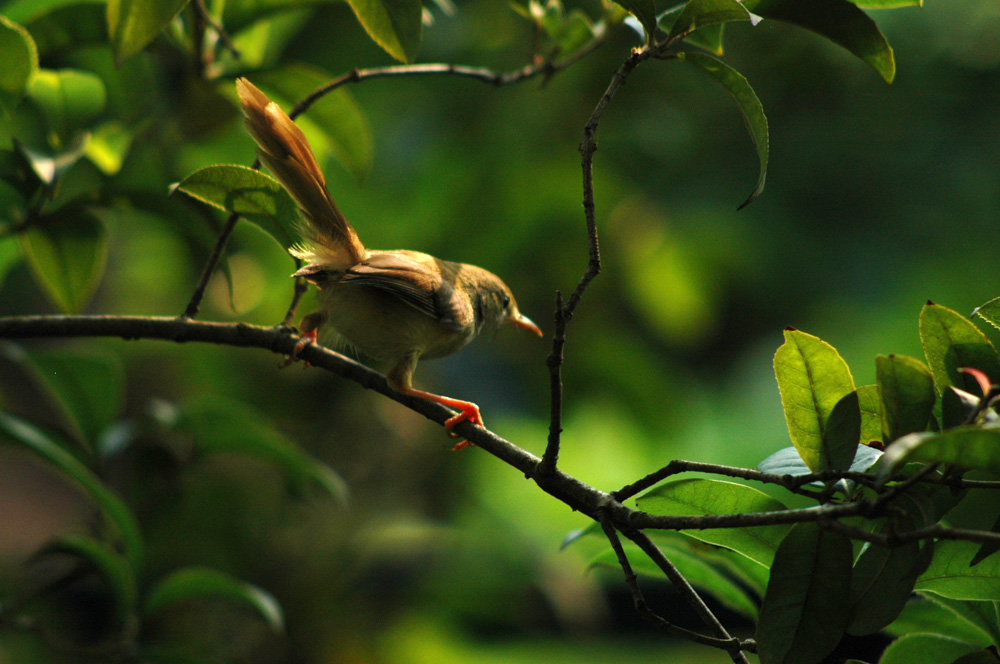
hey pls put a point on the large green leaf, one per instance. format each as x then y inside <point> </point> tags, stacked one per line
<point>949,574</point>
<point>88,385</point>
<point>871,413</point>
<point>335,122</point>
<point>814,380</point>
<point>133,24</point>
<point>906,393</point>
<point>73,27</point>
<point>983,616</point>
<point>969,447</point>
<point>928,613</point>
<point>925,649</point>
<point>839,21</point>
<point>882,583</point>
<point>255,196</point>
<point>113,509</point>
<point>71,99</point>
<point>951,341</point>
<point>695,568</point>
<point>702,497</point>
<point>20,63</point>
<point>748,104</point>
<point>805,610</point>
<point>224,426</point>
<point>203,583</point>
<point>67,254</point>
<point>395,25</point>
<point>700,13</point>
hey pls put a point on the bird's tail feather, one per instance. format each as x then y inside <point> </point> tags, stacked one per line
<point>283,148</point>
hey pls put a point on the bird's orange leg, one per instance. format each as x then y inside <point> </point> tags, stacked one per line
<point>399,378</point>
<point>310,329</point>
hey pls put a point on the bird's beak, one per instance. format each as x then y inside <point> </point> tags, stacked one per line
<point>525,323</point>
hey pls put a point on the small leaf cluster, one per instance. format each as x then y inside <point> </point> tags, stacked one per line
<point>885,463</point>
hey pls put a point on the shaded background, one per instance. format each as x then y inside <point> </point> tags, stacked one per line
<point>878,198</point>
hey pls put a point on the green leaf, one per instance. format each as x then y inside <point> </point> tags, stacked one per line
<point>928,613</point>
<point>805,609</point>
<point>748,104</point>
<point>988,548</point>
<point>969,447</point>
<point>950,575</point>
<point>10,254</point>
<point>111,506</point>
<point>645,11</point>
<point>395,25</point>
<point>69,28</point>
<point>906,393</point>
<point>111,565</point>
<point>256,196</point>
<point>952,341</point>
<point>813,379</point>
<point>693,565</point>
<point>701,497</point>
<point>881,584</point>
<point>335,123</point>
<point>839,21</point>
<point>109,145</point>
<point>983,616</point>
<point>700,13</point>
<point>67,254</point>
<point>224,426</point>
<point>87,387</point>
<point>50,167</point>
<point>20,63</point>
<point>708,38</point>
<point>26,11</point>
<point>984,656</point>
<point>203,583</point>
<point>989,312</point>
<point>871,413</point>
<point>888,4</point>
<point>133,24</point>
<point>71,99</point>
<point>924,649</point>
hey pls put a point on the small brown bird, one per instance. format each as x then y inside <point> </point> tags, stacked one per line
<point>395,306</point>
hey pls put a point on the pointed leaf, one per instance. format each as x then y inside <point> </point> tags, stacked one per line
<point>949,574</point>
<point>256,196</point>
<point>133,24</point>
<point>813,378</point>
<point>924,648</point>
<point>700,13</point>
<point>224,426</point>
<point>927,613</point>
<point>839,21</point>
<point>708,38</point>
<point>989,312</point>
<point>983,616</point>
<point>20,63</point>
<point>906,394</point>
<point>969,447</point>
<point>50,167</point>
<point>805,610</point>
<point>952,341</point>
<point>748,104</point>
<point>645,11</point>
<point>702,497</point>
<point>988,548</point>
<point>116,512</point>
<point>201,583</point>
<point>395,25</point>
<point>881,584</point>
<point>67,253</point>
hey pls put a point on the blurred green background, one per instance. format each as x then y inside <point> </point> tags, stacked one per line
<point>878,198</point>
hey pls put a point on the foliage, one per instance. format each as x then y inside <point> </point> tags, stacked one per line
<point>119,132</point>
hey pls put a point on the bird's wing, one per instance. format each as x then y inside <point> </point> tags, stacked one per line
<point>413,283</point>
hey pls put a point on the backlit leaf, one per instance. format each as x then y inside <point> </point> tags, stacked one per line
<point>133,24</point>
<point>969,447</point>
<point>951,341</point>
<point>20,63</point>
<point>395,25</point>
<point>67,254</point>
<point>906,394</point>
<point>950,575</point>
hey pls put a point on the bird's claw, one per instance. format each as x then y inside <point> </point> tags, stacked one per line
<point>307,338</point>
<point>470,413</point>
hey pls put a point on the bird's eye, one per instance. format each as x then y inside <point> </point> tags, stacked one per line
<point>506,301</point>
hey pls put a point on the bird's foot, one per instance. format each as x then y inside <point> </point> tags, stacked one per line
<point>307,338</point>
<point>470,412</point>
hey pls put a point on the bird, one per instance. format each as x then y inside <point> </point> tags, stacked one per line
<point>396,306</point>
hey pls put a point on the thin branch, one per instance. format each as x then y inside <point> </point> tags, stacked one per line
<point>554,362</point>
<point>194,304</point>
<point>687,592</point>
<point>639,600</point>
